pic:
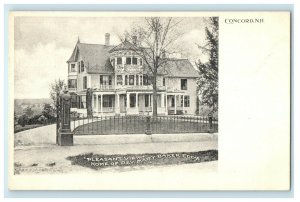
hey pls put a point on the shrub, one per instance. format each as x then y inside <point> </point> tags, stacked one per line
<point>23,120</point>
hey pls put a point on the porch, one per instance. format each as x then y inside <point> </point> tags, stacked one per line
<point>127,103</point>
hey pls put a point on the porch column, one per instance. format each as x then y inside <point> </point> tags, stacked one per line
<point>97,103</point>
<point>127,101</point>
<point>101,105</point>
<point>137,102</point>
<point>166,101</point>
<point>182,103</point>
<point>118,103</point>
<point>151,96</point>
<point>161,100</point>
<point>175,106</point>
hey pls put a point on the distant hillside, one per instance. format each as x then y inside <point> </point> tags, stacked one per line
<point>35,104</point>
<point>33,101</point>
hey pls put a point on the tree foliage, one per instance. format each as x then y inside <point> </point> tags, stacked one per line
<point>208,80</point>
<point>48,111</point>
<point>55,89</point>
<point>28,112</point>
<point>152,41</point>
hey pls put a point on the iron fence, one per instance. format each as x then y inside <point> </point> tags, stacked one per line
<point>105,125</point>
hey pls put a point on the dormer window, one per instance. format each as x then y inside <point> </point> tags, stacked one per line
<point>82,66</point>
<point>73,68</point>
<point>134,61</point>
<point>128,61</point>
<point>119,61</point>
<point>113,62</point>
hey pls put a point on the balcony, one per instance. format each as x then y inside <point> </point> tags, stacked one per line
<point>72,90</point>
<point>104,87</point>
<point>126,87</point>
<point>138,87</point>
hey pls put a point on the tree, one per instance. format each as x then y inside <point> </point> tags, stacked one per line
<point>152,41</point>
<point>15,119</point>
<point>208,80</point>
<point>23,120</point>
<point>28,112</point>
<point>48,111</point>
<point>55,89</point>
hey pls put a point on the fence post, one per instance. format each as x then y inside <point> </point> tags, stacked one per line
<point>210,123</point>
<point>65,135</point>
<point>57,115</point>
<point>148,126</point>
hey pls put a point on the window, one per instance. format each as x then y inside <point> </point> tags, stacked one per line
<point>74,100</point>
<point>126,79</point>
<point>173,101</point>
<point>146,80</point>
<point>82,102</point>
<point>72,83</point>
<point>134,61</point>
<point>84,82</point>
<point>82,66</point>
<point>105,80</point>
<point>141,61</point>
<point>181,101</point>
<point>164,82</point>
<point>132,98</point>
<point>128,61</point>
<point>183,84</point>
<point>147,101</point>
<point>119,80</point>
<point>110,80</point>
<point>113,62</point>
<point>101,79</point>
<point>131,79</point>
<point>141,80</point>
<point>187,101</point>
<point>119,61</point>
<point>73,68</point>
<point>137,79</point>
<point>108,101</point>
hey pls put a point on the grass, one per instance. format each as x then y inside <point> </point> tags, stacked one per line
<point>98,161</point>
<point>137,125</point>
<point>19,128</point>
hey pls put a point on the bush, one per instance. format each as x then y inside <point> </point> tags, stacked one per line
<point>23,120</point>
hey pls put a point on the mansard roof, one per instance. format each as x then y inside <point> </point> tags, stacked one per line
<point>95,57</point>
<point>125,45</point>
<point>96,60</point>
<point>179,68</point>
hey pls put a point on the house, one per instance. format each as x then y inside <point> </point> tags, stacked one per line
<point>120,83</point>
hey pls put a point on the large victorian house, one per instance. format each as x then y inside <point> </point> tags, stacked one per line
<point>120,83</point>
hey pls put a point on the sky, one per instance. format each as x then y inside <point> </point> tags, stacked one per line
<point>42,45</point>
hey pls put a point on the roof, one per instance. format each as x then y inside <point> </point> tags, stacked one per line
<point>179,68</point>
<point>125,45</point>
<point>95,57</point>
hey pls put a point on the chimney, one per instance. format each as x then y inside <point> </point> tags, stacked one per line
<point>107,39</point>
<point>134,40</point>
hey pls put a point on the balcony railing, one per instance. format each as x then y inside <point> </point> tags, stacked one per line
<point>106,87</point>
<point>131,87</point>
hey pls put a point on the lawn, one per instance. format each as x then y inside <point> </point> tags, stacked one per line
<point>19,128</point>
<point>137,125</point>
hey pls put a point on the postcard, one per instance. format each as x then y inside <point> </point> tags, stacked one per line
<point>149,100</point>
